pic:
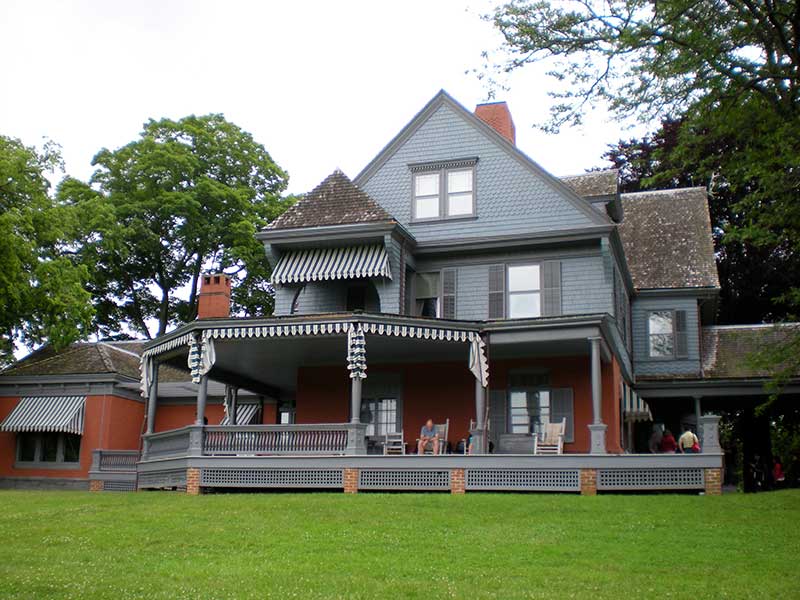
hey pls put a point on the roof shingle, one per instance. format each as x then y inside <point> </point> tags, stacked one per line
<point>667,239</point>
<point>727,350</point>
<point>594,183</point>
<point>335,201</point>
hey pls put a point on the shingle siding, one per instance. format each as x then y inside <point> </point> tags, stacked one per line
<point>646,366</point>
<point>511,199</point>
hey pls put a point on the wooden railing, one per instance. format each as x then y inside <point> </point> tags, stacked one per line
<point>175,442</point>
<point>277,439</point>
<point>118,460</point>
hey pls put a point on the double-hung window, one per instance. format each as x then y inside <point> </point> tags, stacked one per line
<point>524,291</point>
<point>381,416</point>
<point>667,334</point>
<point>444,190</point>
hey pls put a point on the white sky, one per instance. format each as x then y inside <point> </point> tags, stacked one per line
<point>320,84</point>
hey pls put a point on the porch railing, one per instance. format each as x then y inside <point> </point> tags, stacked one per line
<point>175,442</point>
<point>114,460</point>
<point>279,439</point>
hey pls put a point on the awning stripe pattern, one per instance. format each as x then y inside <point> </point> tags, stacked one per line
<point>357,353</point>
<point>634,407</point>
<point>245,415</point>
<point>47,414</point>
<point>320,264</point>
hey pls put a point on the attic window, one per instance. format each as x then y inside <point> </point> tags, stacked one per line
<point>444,190</point>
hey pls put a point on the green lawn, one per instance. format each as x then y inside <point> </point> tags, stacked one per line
<point>166,545</point>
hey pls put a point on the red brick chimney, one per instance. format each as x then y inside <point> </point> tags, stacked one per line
<point>214,301</point>
<point>497,116</point>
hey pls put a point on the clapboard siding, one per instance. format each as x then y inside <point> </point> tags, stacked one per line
<point>643,364</point>
<point>511,199</point>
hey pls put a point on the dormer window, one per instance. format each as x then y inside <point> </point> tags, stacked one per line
<point>443,190</point>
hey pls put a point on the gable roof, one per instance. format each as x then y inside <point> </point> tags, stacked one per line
<point>594,183</point>
<point>335,201</point>
<point>667,239</point>
<point>727,349</point>
<point>443,98</point>
<point>89,358</point>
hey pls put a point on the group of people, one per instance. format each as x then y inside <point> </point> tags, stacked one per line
<point>687,443</point>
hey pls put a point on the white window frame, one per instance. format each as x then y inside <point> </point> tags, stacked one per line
<point>380,406</point>
<point>527,291</point>
<point>444,194</point>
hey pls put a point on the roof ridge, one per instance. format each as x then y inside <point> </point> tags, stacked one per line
<point>109,364</point>
<point>17,365</point>
<point>595,172</point>
<point>664,191</point>
<point>109,345</point>
<point>752,326</point>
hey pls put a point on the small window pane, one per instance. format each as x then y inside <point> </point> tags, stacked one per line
<point>427,208</point>
<point>661,345</point>
<point>459,204</point>
<point>27,447</point>
<point>524,305</point>
<point>49,447</point>
<point>428,307</point>
<point>427,285</point>
<point>523,278</point>
<point>426,185</point>
<point>459,181</point>
<point>72,448</point>
<point>661,322</point>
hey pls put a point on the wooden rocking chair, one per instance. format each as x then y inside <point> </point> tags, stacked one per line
<point>552,439</point>
<point>442,429</point>
<point>393,443</point>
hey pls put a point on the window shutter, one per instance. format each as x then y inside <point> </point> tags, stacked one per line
<point>497,415</point>
<point>681,337</point>
<point>497,291</point>
<point>561,407</point>
<point>449,293</point>
<point>552,288</point>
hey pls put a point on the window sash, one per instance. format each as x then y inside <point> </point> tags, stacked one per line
<point>661,334</point>
<point>381,416</point>
<point>444,193</point>
<point>48,448</point>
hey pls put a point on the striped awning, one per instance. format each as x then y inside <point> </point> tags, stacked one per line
<point>245,415</point>
<point>47,413</point>
<point>634,408</point>
<point>318,264</point>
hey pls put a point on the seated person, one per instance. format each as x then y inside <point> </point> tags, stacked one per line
<point>428,438</point>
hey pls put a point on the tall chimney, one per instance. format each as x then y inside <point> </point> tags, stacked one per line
<point>497,116</point>
<point>214,301</point>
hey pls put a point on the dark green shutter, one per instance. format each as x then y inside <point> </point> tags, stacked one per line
<point>497,291</point>
<point>448,293</point>
<point>551,305</point>
<point>681,337</point>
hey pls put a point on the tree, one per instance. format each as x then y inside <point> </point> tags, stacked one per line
<point>652,59</point>
<point>186,197</point>
<point>42,295</point>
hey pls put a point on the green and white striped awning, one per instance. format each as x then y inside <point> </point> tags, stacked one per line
<point>245,415</point>
<point>319,264</point>
<point>47,413</point>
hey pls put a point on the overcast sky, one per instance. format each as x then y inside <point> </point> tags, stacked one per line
<point>320,84</point>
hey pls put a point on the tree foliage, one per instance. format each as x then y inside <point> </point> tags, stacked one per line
<point>42,295</point>
<point>652,59</point>
<point>186,197</point>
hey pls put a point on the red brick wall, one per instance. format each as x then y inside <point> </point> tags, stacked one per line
<point>323,395</point>
<point>110,422</point>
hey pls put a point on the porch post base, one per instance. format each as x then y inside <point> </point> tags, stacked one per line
<point>96,485</point>
<point>588,482</point>
<point>713,482</point>
<point>193,482</point>
<point>709,433</point>
<point>458,481</point>
<point>356,439</point>
<point>350,477</point>
<point>598,438</point>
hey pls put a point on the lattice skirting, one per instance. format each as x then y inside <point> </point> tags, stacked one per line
<point>403,479</point>
<point>272,478</point>
<point>545,480</point>
<point>119,486</point>
<point>650,479</point>
<point>163,479</point>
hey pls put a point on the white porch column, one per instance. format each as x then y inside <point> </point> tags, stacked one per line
<point>597,429</point>
<point>202,396</point>
<point>152,400</point>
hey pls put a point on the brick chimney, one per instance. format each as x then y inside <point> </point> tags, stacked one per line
<point>214,301</point>
<point>497,116</point>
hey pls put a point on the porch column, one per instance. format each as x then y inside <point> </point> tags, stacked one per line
<point>355,399</point>
<point>152,400</point>
<point>479,433</point>
<point>597,429</point>
<point>234,405</point>
<point>697,414</point>
<point>202,395</point>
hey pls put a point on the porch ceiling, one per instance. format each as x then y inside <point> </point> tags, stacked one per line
<point>274,361</point>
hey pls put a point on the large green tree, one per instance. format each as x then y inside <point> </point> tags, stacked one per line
<point>186,197</point>
<point>42,292</point>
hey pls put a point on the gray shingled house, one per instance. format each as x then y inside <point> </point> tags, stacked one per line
<point>544,324</point>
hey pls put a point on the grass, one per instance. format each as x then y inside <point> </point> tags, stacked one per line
<point>165,545</point>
